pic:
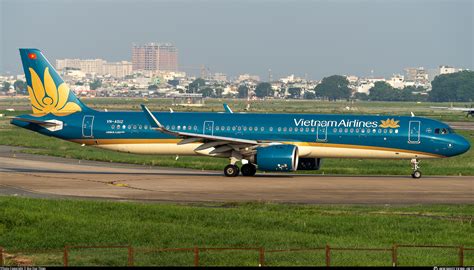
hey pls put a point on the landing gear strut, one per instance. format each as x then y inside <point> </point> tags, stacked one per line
<point>248,169</point>
<point>415,164</point>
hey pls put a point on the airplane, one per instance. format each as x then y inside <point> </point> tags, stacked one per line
<point>467,110</point>
<point>263,141</point>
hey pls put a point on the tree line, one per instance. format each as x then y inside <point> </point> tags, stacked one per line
<point>454,87</point>
<point>457,86</point>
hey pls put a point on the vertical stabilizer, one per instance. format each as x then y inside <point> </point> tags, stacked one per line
<point>48,91</point>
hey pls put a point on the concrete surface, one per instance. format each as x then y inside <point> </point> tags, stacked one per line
<point>51,177</point>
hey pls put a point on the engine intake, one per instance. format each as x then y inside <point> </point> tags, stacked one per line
<point>282,157</point>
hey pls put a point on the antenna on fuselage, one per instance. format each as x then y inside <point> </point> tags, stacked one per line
<point>412,114</point>
<point>171,110</point>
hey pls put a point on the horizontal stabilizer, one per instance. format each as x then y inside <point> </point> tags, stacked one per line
<point>38,122</point>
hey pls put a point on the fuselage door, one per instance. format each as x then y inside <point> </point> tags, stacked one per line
<point>87,126</point>
<point>322,134</point>
<point>414,132</point>
<point>208,128</point>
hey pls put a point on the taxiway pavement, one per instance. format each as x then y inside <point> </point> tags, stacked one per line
<point>52,177</point>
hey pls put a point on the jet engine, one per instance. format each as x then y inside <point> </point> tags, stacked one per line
<point>281,157</point>
<point>309,164</point>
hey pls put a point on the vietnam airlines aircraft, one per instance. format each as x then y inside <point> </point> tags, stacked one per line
<point>268,142</point>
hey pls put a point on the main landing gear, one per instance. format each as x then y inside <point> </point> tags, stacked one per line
<point>248,169</point>
<point>232,170</point>
<point>415,164</point>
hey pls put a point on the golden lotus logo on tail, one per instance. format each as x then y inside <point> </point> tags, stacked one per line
<point>389,123</point>
<point>47,98</point>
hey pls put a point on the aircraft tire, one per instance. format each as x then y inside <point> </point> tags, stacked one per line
<point>231,170</point>
<point>248,169</point>
<point>416,174</point>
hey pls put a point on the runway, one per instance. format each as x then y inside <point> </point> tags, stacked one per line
<point>50,177</point>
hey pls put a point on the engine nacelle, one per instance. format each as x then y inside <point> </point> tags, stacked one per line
<point>309,164</point>
<point>281,157</point>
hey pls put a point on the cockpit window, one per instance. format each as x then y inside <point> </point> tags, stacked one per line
<point>442,131</point>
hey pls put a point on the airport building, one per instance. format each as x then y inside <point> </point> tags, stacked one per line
<point>155,57</point>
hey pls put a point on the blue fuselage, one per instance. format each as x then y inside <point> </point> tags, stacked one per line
<point>323,135</point>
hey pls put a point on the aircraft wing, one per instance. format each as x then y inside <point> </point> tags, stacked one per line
<point>221,144</point>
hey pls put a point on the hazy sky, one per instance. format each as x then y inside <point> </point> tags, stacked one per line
<point>317,38</point>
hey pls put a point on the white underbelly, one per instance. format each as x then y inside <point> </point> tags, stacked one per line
<point>347,152</point>
<point>153,148</point>
<point>304,151</point>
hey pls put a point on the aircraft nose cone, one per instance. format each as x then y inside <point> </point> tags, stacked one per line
<point>463,145</point>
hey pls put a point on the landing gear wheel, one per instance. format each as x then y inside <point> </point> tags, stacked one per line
<point>248,169</point>
<point>231,170</point>
<point>416,174</point>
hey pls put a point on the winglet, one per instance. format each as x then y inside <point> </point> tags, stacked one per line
<point>151,118</point>
<point>227,108</point>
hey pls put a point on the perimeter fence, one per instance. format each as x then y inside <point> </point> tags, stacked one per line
<point>396,255</point>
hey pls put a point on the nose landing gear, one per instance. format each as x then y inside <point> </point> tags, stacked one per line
<point>416,168</point>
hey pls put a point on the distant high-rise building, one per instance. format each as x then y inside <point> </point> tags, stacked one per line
<point>155,57</point>
<point>96,66</point>
<point>145,57</point>
<point>167,58</point>
<point>85,65</point>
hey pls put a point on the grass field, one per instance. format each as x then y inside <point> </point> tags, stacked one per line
<point>52,224</point>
